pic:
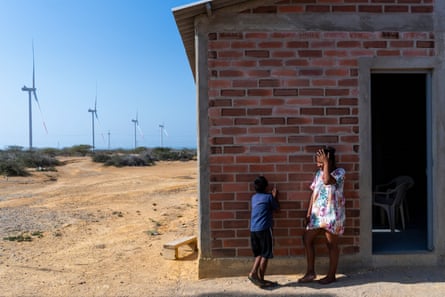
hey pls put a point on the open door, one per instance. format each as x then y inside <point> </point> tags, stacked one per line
<point>400,146</point>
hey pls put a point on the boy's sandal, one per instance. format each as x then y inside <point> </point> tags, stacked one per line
<point>255,281</point>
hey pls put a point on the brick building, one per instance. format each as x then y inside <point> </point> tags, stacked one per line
<point>275,80</point>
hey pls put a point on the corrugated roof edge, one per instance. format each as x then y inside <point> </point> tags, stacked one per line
<point>185,21</point>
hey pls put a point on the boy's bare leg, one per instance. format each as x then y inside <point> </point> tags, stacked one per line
<point>262,268</point>
<point>254,273</point>
<point>255,267</point>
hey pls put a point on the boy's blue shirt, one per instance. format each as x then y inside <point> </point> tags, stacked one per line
<point>263,205</point>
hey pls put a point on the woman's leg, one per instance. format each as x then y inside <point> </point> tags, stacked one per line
<point>308,240</point>
<point>334,254</point>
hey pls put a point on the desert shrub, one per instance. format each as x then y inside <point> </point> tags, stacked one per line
<point>14,148</point>
<point>77,150</point>
<point>147,157</point>
<point>168,154</point>
<point>9,167</point>
<point>187,155</point>
<point>128,160</point>
<point>121,160</point>
<point>39,160</point>
<point>139,150</point>
<point>15,162</point>
<point>50,151</point>
<point>101,158</point>
<point>137,160</point>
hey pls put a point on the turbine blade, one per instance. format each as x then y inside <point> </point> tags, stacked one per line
<point>95,100</point>
<point>40,110</point>
<point>140,131</point>
<point>33,68</point>
<point>35,96</point>
<point>44,126</point>
<point>95,105</point>
<point>99,126</point>
<point>165,132</point>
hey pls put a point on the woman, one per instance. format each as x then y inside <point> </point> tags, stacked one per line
<point>325,215</point>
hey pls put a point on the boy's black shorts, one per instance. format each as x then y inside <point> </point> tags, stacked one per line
<point>262,243</point>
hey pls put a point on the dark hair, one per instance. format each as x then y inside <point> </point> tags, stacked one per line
<point>329,150</point>
<point>261,184</point>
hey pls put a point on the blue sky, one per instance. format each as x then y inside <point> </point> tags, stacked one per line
<point>129,51</point>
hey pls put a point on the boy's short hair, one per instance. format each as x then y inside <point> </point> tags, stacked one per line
<point>261,184</point>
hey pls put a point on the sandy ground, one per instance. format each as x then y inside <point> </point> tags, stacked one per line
<point>99,231</point>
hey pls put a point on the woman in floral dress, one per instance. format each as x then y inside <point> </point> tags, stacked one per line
<point>325,215</point>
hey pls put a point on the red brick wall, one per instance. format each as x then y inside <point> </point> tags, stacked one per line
<point>274,97</point>
<point>347,6</point>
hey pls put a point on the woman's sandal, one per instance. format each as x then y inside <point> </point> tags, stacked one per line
<point>307,278</point>
<point>326,280</point>
<point>268,284</point>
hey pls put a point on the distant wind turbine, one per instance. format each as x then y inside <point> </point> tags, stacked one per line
<point>32,91</point>
<point>93,115</point>
<point>136,126</point>
<point>162,132</point>
<point>109,134</point>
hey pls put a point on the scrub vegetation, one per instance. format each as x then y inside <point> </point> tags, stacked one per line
<point>15,161</point>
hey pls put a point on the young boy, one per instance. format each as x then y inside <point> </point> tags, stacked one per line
<point>263,205</point>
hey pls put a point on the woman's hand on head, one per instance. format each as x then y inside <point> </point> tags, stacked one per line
<point>322,157</point>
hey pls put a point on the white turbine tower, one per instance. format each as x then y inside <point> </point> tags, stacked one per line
<point>162,132</point>
<point>93,115</point>
<point>32,91</point>
<point>136,126</point>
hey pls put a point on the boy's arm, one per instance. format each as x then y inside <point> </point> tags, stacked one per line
<point>275,196</point>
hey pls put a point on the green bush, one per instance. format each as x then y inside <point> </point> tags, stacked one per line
<point>168,154</point>
<point>121,160</point>
<point>101,158</point>
<point>12,168</point>
<point>16,162</point>
<point>78,150</point>
<point>39,160</point>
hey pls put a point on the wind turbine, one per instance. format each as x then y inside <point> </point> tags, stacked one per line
<point>163,131</point>
<point>109,134</point>
<point>136,125</point>
<point>93,115</point>
<point>32,91</point>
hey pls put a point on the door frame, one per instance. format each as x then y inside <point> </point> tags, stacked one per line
<point>402,86</point>
<point>391,65</point>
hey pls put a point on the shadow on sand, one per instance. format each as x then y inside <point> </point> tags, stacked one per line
<point>396,276</point>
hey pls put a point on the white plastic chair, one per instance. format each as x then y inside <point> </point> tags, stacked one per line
<point>391,198</point>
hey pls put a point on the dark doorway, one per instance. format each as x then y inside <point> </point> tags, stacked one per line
<point>399,147</point>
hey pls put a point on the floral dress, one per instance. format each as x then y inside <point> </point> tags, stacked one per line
<point>328,203</point>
